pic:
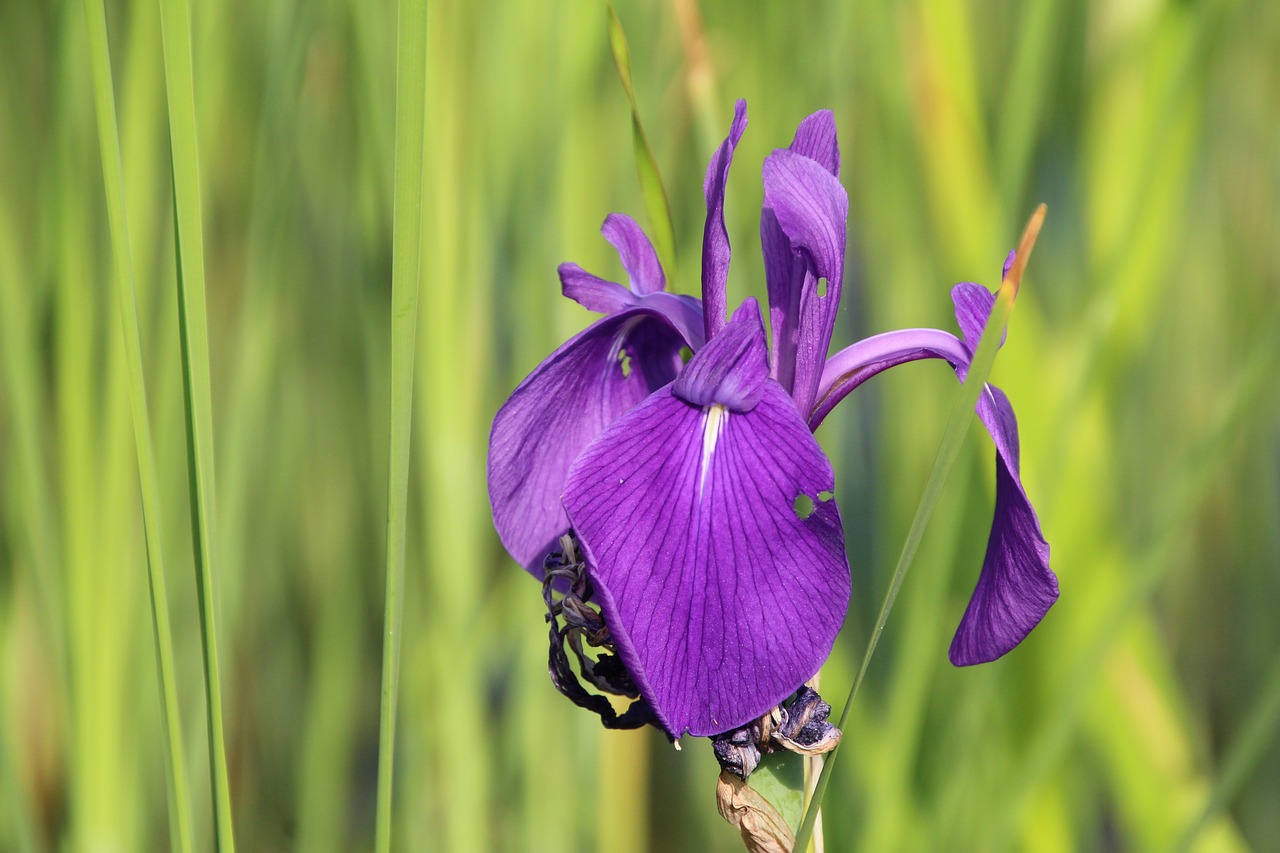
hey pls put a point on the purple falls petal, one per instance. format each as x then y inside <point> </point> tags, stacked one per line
<point>567,401</point>
<point>1016,587</point>
<point>715,238</point>
<point>592,292</point>
<point>637,254</point>
<point>811,209</point>
<point>732,369</point>
<point>723,592</point>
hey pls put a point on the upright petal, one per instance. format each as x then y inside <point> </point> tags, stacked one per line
<point>638,256</point>
<point>810,208</point>
<point>571,397</point>
<point>715,549</point>
<point>786,274</point>
<point>816,139</point>
<point>715,237</point>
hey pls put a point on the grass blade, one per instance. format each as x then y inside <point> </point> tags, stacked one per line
<point>126,299</point>
<point>655,195</point>
<point>175,25</point>
<point>948,452</point>
<point>411,87</point>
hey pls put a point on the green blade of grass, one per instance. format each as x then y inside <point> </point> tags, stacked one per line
<point>949,450</point>
<point>126,299</point>
<point>655,195</point>
<point>411,89</point>
<point>175,26</point>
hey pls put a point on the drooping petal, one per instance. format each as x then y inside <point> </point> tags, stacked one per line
<point>714,548</point>
<point>592,292</point>
<point>637,254</point>
<point>810,208</point>
<point>567,401</point>
<point>715,238</point>
<point>733,372</point>
<point>1016,587</point>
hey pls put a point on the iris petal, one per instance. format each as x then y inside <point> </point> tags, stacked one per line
<point>733,372</point>
<point>787,275</point>
<point>637,254</point>
<point>593,292</point>
<point>1016,587</point>
<point>811,209</point>
<point>715,238</point>
<point>557,410</point>
<point>723,589</point>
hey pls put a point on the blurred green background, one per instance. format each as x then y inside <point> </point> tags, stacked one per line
<point>1141,715</point>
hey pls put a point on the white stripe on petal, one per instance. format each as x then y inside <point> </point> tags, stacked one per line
<point>717,416</point>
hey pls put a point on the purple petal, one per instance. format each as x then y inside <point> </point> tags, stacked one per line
<point>732,369</point>
<point>811,209</point>
<point>855,364</point>
<point>715,238</point>
<point>683,312</point>
<point>1008,263</point>
<point>816,139</point>
<point>1016,587</point>
<point>973,306</point>
<point>637,254</point>
<point>567,401</point>
<point>721,598</point>
<point>592,292</point>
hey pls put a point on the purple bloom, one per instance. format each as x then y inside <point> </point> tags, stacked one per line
<point>701,502</point>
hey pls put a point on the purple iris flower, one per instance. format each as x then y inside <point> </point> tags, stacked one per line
<point>701,503</point>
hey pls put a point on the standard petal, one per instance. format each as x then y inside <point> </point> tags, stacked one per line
<point>637,254</point>
<point>1016,587</point>
<point>715,238</point>
<point>816,139</point>
<point>732,369</point>
<point>567,401</point>
<point>592,292</point>
<point>811,209</point>
<point>973,304</point>
<point>716,552</point>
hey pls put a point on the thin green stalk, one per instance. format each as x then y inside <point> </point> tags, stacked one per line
<point>175,27</point>
<point>126,300</point>
<point>948,452</point>
<point>411,97</point>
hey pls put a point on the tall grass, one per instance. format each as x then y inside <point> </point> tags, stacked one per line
<point>1140,715</point>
